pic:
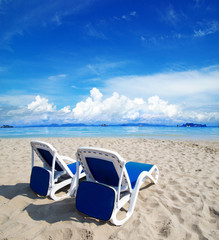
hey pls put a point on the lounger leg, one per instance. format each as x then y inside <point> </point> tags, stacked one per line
<point>59,186</point>
<point>155,171</point>
<point>114,220</point>
<point>72,187</point>
<point>142,177</point>
<point>130,211</point>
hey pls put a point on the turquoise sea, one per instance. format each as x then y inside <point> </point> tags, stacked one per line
<point>195,133</point>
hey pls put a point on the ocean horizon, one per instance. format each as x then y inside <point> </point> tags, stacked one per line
<point>157,132</point>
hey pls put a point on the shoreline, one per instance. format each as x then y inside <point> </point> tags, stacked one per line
<point>184,204</point>
<point>197,140</point>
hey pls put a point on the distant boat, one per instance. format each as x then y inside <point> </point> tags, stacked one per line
<point>103,125</point>
<point>6,126</point>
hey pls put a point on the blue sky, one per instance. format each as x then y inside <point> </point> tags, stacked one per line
<point>111,61</point>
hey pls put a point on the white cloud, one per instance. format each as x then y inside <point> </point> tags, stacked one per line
<point>57,20</point>
<point>207,29</point>
<point>205,117</point>
<point>37,15</point>
<point>102,67</point>
<point>17,112</point>
<point>39,111</point>
<point>172,86</point>
<point>15,99</point>
<point>119,108</point>
<point>126,16</point>
<point>96,94</point>
<point>92,31</point>
<point>170,16</point>
<point>65,109</point>
<point>160,106</point>
<point>133,13</point>
<point>115,108</point>
<point>41,105</point>
<point>57,77</point>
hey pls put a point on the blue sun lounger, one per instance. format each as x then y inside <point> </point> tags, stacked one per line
<point>55,173</point>
<point>110,183</point>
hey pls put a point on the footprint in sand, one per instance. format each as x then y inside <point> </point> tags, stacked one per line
<point>166,228</point>
<point>86,234</point>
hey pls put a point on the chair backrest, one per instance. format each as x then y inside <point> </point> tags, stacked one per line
<point>104,166</point>
<point>47,154</point>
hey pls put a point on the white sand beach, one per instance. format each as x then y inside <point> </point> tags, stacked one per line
<point>184,204</point>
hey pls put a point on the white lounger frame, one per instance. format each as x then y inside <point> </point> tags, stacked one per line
<point>124,191</point>
<point>54,185</point>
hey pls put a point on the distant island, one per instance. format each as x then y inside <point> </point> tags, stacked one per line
<point>95,125</point>
<point>192,125</point>
<point>107,125</point>
<point>6,126</point>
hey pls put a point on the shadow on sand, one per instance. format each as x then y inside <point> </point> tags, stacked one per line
<point>52,212</point>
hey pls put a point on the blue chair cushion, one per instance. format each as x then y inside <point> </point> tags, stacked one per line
<point>95,200</point>
<point>39,180</point>
<point>134,169</point>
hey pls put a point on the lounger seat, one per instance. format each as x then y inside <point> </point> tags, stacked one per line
<point>134,169</point>
<point>73,167</point>
<point>110,183</point>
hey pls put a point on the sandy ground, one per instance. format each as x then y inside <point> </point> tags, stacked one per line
<point>184,204</point>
